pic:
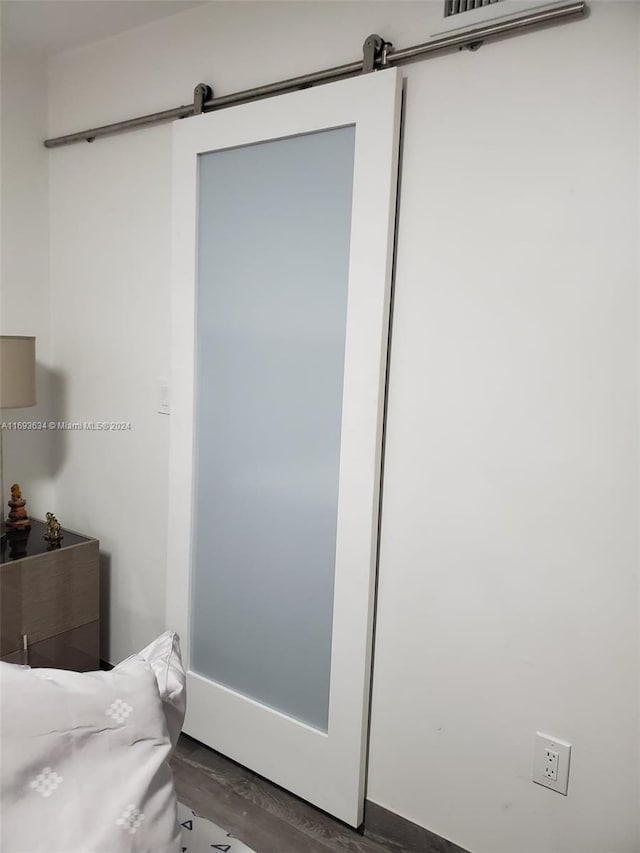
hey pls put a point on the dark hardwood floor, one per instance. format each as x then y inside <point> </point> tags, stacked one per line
<point>262,815</point>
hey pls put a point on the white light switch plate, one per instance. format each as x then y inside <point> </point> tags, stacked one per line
<point>164,401</point>
<point>551,761</point>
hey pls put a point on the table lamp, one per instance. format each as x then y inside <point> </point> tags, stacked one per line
<point>17,388</point>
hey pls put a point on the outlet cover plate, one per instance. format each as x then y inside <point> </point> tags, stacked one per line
<point>540,763</point>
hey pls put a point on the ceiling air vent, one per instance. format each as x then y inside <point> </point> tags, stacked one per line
<point>455,7</point>
<point>460,15</point>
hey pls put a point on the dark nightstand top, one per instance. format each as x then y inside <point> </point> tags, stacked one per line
<point>29,543</point>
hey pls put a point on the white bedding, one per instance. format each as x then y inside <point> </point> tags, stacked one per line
<point>84,757</point>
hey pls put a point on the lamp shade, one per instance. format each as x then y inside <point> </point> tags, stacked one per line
<point>17,371</point>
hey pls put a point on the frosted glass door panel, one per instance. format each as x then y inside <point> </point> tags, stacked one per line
<point>274,224</point>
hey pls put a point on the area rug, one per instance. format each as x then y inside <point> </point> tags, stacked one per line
<point>200,835</point>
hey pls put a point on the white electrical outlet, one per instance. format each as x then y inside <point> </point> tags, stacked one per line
<point>551,763</point>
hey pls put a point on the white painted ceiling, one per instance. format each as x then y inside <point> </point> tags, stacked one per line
<point>53,26</point>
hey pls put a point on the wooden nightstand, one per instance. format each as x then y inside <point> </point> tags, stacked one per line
<point>50,600</point>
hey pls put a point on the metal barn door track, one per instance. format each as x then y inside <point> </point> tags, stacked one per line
<point>377,55</point>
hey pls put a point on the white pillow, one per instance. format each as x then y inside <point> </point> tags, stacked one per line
<point>84,757</point>
<point>164,658</point>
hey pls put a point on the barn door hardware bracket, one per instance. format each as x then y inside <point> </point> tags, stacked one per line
<point>201,94</point>
<point>374,53</point>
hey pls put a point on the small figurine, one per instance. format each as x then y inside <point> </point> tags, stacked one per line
<point>54,531</point>
<point>18,518</point>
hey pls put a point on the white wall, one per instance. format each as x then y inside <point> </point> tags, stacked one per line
<point>509,563</point>
<point>24,267</point>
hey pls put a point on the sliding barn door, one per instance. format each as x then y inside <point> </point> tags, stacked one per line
<point>283,232</point>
